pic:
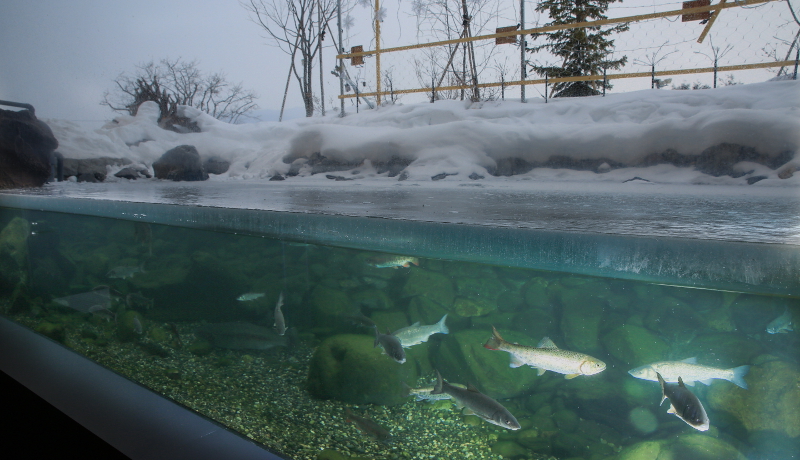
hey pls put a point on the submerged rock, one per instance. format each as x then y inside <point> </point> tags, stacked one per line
<point>771,402</point>
<point>14,253</point>
<point>635,345</point>
<point>688,446</point>
<point>432,285</point>
<point>349,368</point>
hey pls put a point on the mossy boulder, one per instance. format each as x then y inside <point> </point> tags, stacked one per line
<point>130,326</point>
<point>14,252</point>
<point>635,345</point>
<point>350,369</point>
<point>373,299</point>
<point>461,358</point>
<point>466,308</point>
<point>688,446</point>
<point>431,285</point>
<point>772,401</point>
<point>509,449</point>
<point>329,305</point>
<point>535,293</point>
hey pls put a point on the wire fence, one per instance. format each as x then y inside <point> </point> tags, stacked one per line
<point>476,49</point>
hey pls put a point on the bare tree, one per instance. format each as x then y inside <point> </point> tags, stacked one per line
<point>176,82</point>
<point>298,28</point>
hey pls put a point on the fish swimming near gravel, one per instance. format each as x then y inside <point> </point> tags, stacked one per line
<point>250,296</point>
<point>367,426</point>
<point>547,357</point>
<point>690,372</point>
<point>125,271</point>
<point>391,261</point>
<point>87,302</point>
<point>425,393</point>
<point>280,323</point>
<point>684,404</point>
<point>241,336</point>
<point>477,403</point>
<point>416,334</point>
<point>782,324</point>
<point>391,345</point>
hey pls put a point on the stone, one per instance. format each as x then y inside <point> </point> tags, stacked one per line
<point>349,368</point>
<point>181,163</point>
<point>461,358</point>
<point>373,299</point>
<point>772,401</point>
<point>133,173</point>
<point>580,320</point>
<point>216,165</point>
<point>431,285</point>
<point>635,345</point>
<point>27,146</point>
<point>566,420</point>
<point>509,449</point>
<point>91,169</point>
<point>473,307</point>
<point>535,292</point>
<point>329,305</point>
<point>127,328</point>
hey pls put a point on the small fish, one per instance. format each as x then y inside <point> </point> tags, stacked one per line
<point>101,311</point>
<point>478,403</point>
<point>416,334</point>
<point>250,296</point>
<point>136,300</point>
<point>782,324</point>
<point>547,357</point>
<point>137,325</point>
<point>359,320</point>
<point>690,371</point>
<point>684,404</point>
<point>391,345</point>
<point>280,323</point>
<point>391,261</point>
<point>367,426</point>
<point>426,392</point>
<point>125,272</point>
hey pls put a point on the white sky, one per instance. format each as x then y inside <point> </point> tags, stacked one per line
<point>61,56</point>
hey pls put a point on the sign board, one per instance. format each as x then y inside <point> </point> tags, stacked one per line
<point>696,16</point>
<point>357,60</point>
<point>503,40</point>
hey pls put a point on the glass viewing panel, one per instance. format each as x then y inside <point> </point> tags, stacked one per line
<point>289,344</point>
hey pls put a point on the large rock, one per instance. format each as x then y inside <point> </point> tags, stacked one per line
<point>635,345</point>
<point>350,369</point>
<point>26,149</point>
<point>688,446</point>
<point>431,285</point>
<point>91,169</point>
<point>180,164</point>
<point>772,401</point>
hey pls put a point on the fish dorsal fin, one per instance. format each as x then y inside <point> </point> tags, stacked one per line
<point>388,332</point>
<point>472,388</point>
<point>546,343</point>
<point>671,409</point>
<point>680,382</point>
<point>540,371</point>
<point>415,324</point>
<point>692,360</point>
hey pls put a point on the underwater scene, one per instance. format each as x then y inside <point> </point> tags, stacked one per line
<point>321,352</point>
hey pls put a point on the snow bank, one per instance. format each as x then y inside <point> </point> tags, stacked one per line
<point>461,139</point>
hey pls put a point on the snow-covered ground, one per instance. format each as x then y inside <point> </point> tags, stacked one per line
<point>460,139</point>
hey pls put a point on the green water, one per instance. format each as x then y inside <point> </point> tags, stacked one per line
<point>292,396</point>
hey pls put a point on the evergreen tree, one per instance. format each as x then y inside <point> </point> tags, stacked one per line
<point>583,51</point>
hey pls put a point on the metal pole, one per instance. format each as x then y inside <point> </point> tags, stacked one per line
<point>605,81</point>
<point>796,59</point>
<point>377,52</point>
<point>652,76</point>
<point>433,88</point>
<point>341,51</point>
<point>715,72</point>
<point>522,72</point>
<point>321,82</point>
<point>546,89</point>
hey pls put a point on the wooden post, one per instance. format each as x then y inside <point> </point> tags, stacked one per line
<point>377,52</point>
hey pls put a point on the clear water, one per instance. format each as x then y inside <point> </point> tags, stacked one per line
<point>136,298</point>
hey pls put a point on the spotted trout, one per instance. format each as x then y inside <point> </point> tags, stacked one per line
<point>547,357</point>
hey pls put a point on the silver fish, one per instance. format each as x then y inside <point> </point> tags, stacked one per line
<point>684,404</point>
<point>137,325</point>
<point>250,296</point>
<point>391,261</point>
<point>416,334</point>
<point>478,403</point>
<point>87,302</point>
<point>547,357</point>
<point>425,393</point>
<point>125,272</point>
<point>280,323</point>
<point>782,324</point>
<point>391,345</point>
<point>367,426</point>
<point>690,372</point>
<point>241,336</point>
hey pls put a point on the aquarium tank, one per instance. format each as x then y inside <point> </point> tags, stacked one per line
<point>319,336</point>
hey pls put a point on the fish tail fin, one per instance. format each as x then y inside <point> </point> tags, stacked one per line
<point>437,389</point>
<point>442,326</point>
<point>738,376</point>
<point>406,389</point>
<point>494,342</point>
<point>663,388</point>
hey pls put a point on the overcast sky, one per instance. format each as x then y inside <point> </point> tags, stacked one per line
<point>62,55</point>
